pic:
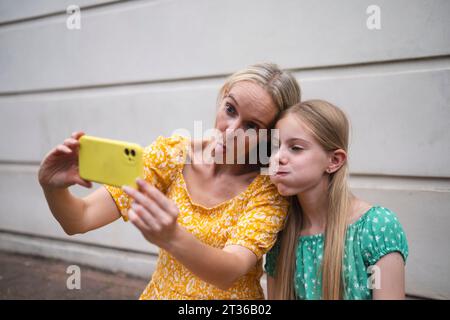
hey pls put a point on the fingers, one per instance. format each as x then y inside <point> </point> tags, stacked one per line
<point>161,200</point>
<point>137,196</point>
<point>77,135</point>
<point>162,208</point>
<point>83,182</point>
<point>160,217</point>
<point>157,213</point>
<point>63,149</point>
<point>68,146</point>
<point>144,215</point>
<point>71,143</point>
<point>137,221</point>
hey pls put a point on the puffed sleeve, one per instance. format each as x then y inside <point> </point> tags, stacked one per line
<point>264,216</point>
<point>161,158</point>
<point>382,234</point>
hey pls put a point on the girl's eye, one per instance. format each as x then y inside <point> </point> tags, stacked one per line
<point>296,148</point>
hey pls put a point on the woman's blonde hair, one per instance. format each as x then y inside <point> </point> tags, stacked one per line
<point>330,127</point>
<point>281,85</point>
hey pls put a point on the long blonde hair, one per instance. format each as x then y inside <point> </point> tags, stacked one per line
<point>281,85</point>
<point>330,127</point>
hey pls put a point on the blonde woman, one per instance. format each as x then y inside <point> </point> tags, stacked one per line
<point>334,245</point>
<point>213,222</point>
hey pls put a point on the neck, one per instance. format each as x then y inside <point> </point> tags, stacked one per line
<point>314,203</point>
<point>232,169</point>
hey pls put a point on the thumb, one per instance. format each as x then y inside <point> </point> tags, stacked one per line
<point>82,182</point>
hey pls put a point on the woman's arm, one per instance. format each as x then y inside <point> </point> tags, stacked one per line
<point>155,216</point>
<point>57,172</point>
<point>80,215</point>
<point>220,267</point>
<point>392,277</point>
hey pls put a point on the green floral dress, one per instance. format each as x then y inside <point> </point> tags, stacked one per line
<point>375,234</point>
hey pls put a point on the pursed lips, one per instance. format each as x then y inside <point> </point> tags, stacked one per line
<point>281,173</point>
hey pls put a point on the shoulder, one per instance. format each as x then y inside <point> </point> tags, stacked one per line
<point>263,207</point>
<point>262,186</point>
<point>168,142</point>
<point>379,218</point>
<point>382,233</point>
<point>171,148</point>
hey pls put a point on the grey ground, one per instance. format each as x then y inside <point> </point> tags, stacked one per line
<point>27,277</point>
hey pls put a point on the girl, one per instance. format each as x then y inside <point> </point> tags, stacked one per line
<point>334,245</point>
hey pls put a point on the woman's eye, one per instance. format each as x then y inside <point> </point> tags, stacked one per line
<point>230,109</point>
<point>252,126</point>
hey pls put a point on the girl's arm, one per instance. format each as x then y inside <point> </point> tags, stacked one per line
<point>392,277</point>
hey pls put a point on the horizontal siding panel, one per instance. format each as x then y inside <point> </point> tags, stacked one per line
<point>17,10</point>
<point>425,218</point>
<point>41,123</point>
<point>152,41</point>
<point>26,211</point>
<point>399,121</point>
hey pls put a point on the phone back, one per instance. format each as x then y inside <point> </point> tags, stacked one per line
<point>111,162</point>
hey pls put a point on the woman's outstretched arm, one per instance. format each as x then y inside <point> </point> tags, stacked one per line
<point>80,215</point>
<point>155,216</point>
<point>57,172</point>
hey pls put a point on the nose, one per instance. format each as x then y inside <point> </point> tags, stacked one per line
<point>234,124</point>
<point>280,157</point>
<point>231,128</point>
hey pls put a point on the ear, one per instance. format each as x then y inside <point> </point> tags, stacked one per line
<point>337,160</point>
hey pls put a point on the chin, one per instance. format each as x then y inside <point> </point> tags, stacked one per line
<point>284,191</point>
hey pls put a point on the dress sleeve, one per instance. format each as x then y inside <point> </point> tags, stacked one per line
<point>382,234</point>
<point>263,218</point>
<point>161,158</point>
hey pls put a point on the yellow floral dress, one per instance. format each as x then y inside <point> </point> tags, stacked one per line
<point>251,219</point>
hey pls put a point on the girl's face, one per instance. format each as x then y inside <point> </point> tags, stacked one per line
<point>301,160</point>
<point>246,106</point>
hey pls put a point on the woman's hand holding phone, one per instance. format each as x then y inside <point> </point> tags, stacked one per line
<point>59,168</point>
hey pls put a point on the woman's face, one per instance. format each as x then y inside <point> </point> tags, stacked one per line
<point>245,109</point>
<point>301,160</point>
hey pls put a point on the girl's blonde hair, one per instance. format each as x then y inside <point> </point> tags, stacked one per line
<point>330,127</point>
<point>281,85</point>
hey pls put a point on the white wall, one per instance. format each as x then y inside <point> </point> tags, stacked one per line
<point>139,69</point>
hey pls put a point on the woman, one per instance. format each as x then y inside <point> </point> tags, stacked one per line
<point>212,221</point>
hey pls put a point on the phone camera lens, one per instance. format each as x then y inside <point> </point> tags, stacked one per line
<point>127,152</point>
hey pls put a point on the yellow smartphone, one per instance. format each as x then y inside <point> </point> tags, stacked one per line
<point>111,162</point>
